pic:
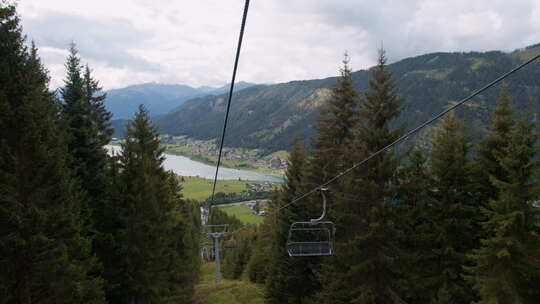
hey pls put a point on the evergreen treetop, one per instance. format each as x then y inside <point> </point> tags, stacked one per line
<point>335,129</point>
<point>366,270</point>
<point>155,233</point>
<point>380,105</point>
<point>496,139</point>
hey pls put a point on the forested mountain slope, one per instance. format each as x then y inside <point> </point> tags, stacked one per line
<point>270,116</point>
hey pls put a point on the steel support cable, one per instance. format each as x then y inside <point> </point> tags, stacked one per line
<point>244,17</point>
<point>413,131</point>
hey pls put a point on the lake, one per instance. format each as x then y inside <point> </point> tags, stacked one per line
<point>184,166</point>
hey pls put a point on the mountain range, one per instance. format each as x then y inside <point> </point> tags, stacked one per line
<point>270,116</point>
<point>158,98</point>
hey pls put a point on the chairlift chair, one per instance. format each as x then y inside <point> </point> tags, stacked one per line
<point>207,251</point>
<point>212,230</point>
<point>230,244</point>
<point>312,238</point>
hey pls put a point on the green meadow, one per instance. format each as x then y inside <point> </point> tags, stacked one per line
<point>243,213</point>
<point>200,189</point>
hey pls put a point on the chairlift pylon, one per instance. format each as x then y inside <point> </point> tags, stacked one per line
<point>216,232</point>
<point>314,237</point>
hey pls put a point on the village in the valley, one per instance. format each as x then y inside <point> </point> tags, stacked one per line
<point>236,157</point>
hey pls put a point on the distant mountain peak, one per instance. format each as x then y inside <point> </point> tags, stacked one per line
<point>158,98</point>
<point>237,87</point>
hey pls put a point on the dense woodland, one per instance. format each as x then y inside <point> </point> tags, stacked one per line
<point>76,225</point>
<point>446,221</point>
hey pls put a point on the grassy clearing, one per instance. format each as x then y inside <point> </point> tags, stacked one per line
<point>439,74</point>
<point>243,213</point>
<point>477,62</point>
<point>199,188</point>
<point>226,292</point>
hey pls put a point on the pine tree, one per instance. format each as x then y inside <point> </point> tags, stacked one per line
<point>496,139</point>
<point>366,242</point>
<point>413,187</point>
<point>236,259</point>
<point>151,249</point>
<point>454,212</point>
<point>335,130</point>
<point>72,93</point>
<point>44,256</point>
<point>192,240</point>
<point>286,282</point>
<point>181,258</point>
<point>257,268</point>
<point>507,266</point>
<point>380,105</point>
<point>100,116</point>
<point>89,131</point>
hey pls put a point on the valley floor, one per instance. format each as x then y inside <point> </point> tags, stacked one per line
<point>201,188</point>
<point>243,213</point>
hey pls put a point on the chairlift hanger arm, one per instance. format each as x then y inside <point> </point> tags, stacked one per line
<point>323,191</point>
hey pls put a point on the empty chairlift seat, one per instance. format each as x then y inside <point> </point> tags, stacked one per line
<point>213,230</point>
<point>312,238</point>
<point>230,244</point>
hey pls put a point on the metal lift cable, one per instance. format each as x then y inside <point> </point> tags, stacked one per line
<point>244,17</point>
<point>413,131</point>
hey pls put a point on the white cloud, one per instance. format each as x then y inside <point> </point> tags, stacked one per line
<point>193,42</point>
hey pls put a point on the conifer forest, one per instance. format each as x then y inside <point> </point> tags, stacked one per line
<point>451,216</point>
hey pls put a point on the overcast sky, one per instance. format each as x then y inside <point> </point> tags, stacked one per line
<point>193,41</point>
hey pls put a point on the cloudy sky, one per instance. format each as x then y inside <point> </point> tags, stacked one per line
<point>193,41</point>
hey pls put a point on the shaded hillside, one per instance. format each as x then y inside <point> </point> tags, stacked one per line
<point>269,116</point>
<point>259,114</point>
<point>156,97</point>
<point>119,127</point>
